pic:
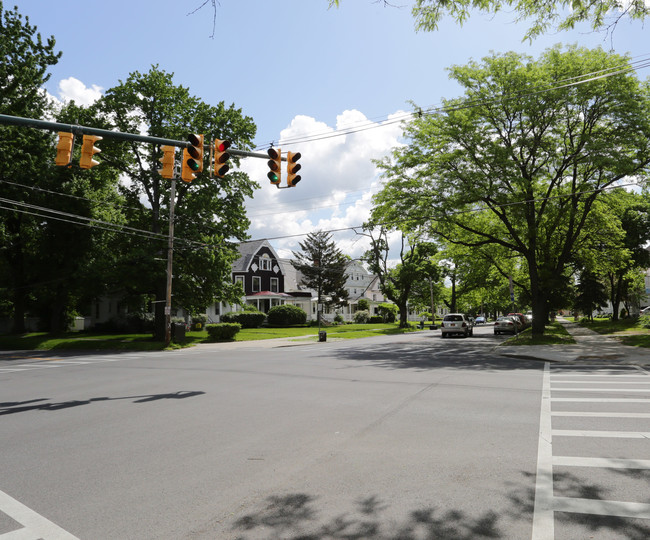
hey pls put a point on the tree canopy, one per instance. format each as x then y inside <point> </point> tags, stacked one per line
<point>543,16</point>
<point>517,163</point>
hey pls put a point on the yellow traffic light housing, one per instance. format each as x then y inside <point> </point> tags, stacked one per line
<point>275,166</point>
<point>293,168</point>
<point>192,158</point>
<point>221,157</point>
<point>88,150</point>
<point>169,154</point>
<point>64,149</point>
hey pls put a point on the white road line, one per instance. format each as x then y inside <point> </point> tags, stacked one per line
<point>602,414</point>
<point>35,525</point>
<point>601,400</point>
<point>602,507</point>
<point>606,463</point>
<point>607,434</point>
<point>612,376</point>
<point>543,520</point>
<point>602,390</point>
<point>611,381</point>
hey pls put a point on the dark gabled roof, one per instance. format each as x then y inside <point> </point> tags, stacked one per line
<point>247,251</point>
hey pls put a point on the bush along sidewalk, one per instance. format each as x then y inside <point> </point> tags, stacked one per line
<point>222,331</point>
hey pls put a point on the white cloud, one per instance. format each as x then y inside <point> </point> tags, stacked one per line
<point>338,181</point>
<point>72,89</point>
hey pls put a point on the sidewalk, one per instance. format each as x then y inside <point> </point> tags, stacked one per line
<point>590,347</point>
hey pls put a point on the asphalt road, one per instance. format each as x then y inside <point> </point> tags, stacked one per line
<point>389,437</point>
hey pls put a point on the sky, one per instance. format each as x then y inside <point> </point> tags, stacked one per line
<point>298,69</point>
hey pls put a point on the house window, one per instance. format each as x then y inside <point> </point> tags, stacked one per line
<point>265,263</point>
<point>275,285</point>
<point>240,279</point>
<point>257,284</point>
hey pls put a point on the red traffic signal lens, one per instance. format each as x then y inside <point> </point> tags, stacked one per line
<point>223,146</point>
<point>194,139</point>
<point>295,157</point>
<point>273,153</point>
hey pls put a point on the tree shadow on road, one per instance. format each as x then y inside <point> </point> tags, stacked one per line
<point>295,517</point>
<point>43,404</point>
<point>598,526</point>
<point>425,357</point>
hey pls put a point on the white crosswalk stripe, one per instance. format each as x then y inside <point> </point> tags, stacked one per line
<point>562,384</point>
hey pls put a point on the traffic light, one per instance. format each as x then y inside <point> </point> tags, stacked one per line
<point>64,148</point>
<point>221,157</point>
<point>169,154</point>
<point>192,158</point>
<point>275,165</point>
<point>88,150</point>
<point>293,168</point>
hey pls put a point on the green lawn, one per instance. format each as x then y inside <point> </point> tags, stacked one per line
<point>628,331</point>
<point>554,334</point>
<point>144,342</point>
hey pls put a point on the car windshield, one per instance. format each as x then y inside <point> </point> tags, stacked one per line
<point>453,318</point>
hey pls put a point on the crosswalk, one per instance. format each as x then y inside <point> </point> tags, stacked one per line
<point>20,363</point>
<point>585,418</point>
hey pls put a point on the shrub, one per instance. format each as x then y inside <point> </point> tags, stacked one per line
<point>388,311</point>
<point>339,318</point>
<point>247,319</point>
<point>376,319</point>
<point>363,304</point>
<point>644,320</point>
<point>286,315</point>
<point>361,317</point>
<point>222,331</point>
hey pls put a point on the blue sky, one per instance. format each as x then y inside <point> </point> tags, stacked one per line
<point>297,68</point>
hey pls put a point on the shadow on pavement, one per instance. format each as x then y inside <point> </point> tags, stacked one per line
<point>295,517</point>
<point>14,407</point>
<point>426,357</point>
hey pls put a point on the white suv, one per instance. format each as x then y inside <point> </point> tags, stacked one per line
<point>456,323</point>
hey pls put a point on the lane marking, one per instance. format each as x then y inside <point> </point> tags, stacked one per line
<point>607,463</point>
<point>609,434</point>
<point>602,390</point>
<point>602,507</point>
<point>543,519</point>
<point>601,400</point>
<point>646,381</point>
<point>35,525</point>
<point>602,414</point>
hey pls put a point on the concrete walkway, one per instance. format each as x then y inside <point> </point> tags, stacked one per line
<point>590,347</point>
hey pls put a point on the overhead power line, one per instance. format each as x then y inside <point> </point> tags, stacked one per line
<point>369,124</point>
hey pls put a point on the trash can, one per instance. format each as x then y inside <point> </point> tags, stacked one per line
<point>178,333</point>
<point>322,335</point>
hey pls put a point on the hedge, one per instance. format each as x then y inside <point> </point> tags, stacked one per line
<point>286,315</point>
<point>247,319</point>
<point>222,331</point>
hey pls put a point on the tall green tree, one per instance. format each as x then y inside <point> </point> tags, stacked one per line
<point>322,266</point>
<point>519,161</point>
<point>26,58</point>
<point>209,212</point>
<point>396,281</point>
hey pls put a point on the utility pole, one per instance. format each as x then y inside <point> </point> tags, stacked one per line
<point>170,255</point>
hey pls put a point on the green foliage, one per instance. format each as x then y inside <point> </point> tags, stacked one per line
<point>542,16</point>
<point>361,317</point>
<point>476,176</point>
<point>363,304</point>
<point>339,318</point>
<point>388,312</point>
<point>644,321</point>
<point>222,331</point>
<point>247,319</point>
<point>286,315</point>
<point>376,319</point>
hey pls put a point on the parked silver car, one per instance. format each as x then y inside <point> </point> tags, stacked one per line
<point>507,325</point>
<point>456,323</point>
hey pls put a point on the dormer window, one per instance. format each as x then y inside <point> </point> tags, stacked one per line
<point>265,262</point>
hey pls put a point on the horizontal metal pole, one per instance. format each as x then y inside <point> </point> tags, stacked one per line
<point>108,134</point>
